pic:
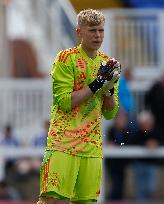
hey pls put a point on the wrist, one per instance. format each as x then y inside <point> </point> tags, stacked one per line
<point>109,103</point>
<point>96,84</point>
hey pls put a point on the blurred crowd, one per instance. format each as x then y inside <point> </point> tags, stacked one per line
<point>21,179</point>
<point>145,130</point>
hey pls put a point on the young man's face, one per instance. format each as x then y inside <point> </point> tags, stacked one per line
<point>91,37</point>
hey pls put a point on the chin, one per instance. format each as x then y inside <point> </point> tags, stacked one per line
<point>95,47</point>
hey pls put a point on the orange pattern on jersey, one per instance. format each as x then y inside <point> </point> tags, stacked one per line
<point>45,177</point>
<point>77,85</point>
<point>79,131</point>
<point>52,134</point>
<point>54,178</point>
<point>65,54</point>
<point>76,111</point>
<point>76,137</point>
<point>103,55</point>
<point>82,75</point>
<point>81,63</point>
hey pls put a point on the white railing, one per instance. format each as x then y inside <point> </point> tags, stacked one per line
<point>108,152</point>
<point>26,105</point>
<point>135,36</point>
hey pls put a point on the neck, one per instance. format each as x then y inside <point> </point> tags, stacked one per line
<point>91,53</point>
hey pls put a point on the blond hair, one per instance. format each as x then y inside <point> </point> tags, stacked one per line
<point>90,17</point>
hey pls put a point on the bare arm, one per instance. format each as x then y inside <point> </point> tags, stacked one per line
<point>109,102</point>
<point>77,97</point>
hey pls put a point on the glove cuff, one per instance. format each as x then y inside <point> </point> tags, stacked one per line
<point>110,92</point>
<point>96,84</point>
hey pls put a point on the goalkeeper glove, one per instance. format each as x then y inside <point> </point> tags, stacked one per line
<point>108,73</point>
<point>108,88</point>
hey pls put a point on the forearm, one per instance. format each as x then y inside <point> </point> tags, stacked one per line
<point>109,102</point>
<point>77,97</point>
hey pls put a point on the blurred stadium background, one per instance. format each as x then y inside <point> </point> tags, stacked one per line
<point>31,34</point>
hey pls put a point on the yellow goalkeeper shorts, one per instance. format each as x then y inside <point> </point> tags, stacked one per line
<point>68,177</point>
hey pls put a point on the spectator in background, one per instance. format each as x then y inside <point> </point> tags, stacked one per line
<point>126,98</point>
<point>40,141</point>
<point>7,192</point>
<point>4,194</point>
<point>41,138</point>
<point>146,170</point>
<point>8,139</point>
<point>154,101</point>
<point>118,135</point>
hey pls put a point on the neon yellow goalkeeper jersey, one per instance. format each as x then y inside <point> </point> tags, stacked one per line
<point>77,131</point>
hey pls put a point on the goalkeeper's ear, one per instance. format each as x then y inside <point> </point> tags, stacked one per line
<point>78,34</point>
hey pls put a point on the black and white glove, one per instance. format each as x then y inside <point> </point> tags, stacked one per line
<point>108,88</point>
<point>107,75</point>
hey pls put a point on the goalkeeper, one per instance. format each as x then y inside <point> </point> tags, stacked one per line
<point>84,85</point>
